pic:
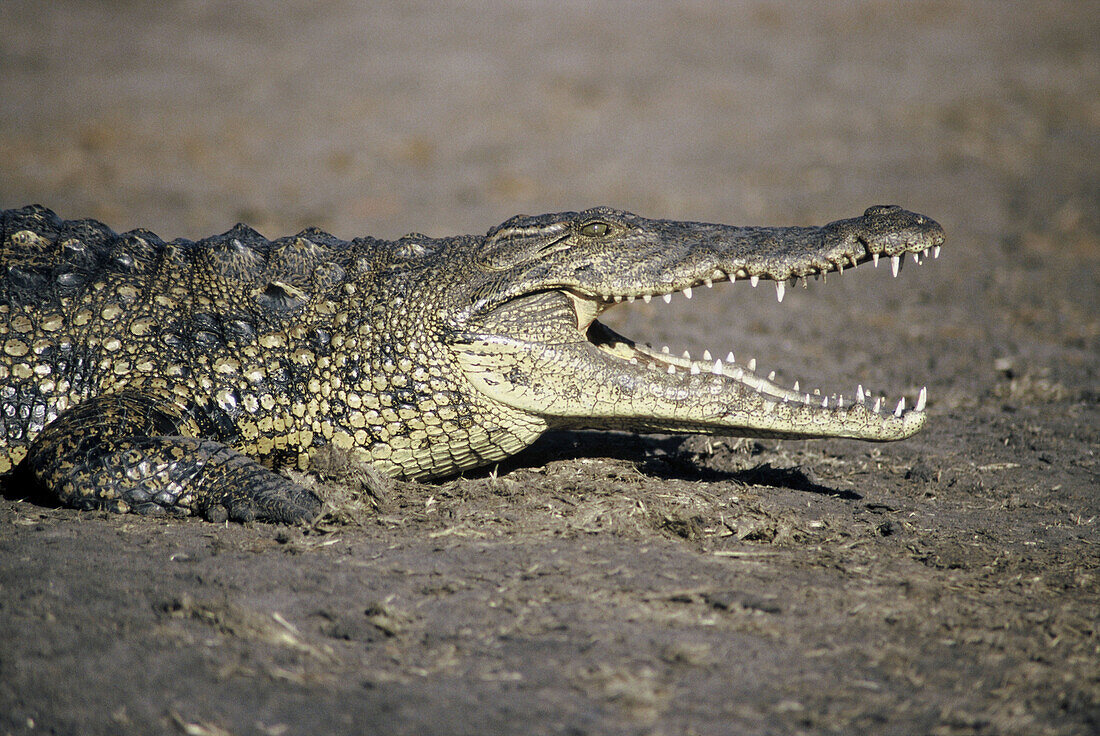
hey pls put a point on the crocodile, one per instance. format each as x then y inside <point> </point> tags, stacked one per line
<point>178,377</point>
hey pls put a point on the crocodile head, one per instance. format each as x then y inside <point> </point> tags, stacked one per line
<point>530,338</point>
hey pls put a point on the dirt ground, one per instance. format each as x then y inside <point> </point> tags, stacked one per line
<point>605,583</point>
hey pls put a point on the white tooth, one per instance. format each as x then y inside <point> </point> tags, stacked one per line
<point>780,287</point>
<point>664,349</point>
<point>817,392</point>
<point>924,253</point>
<point>840,268</point>
<point>694,369</point>
<point>859,393</point>
<point>752,364</point>
<point>795,386</point>
<point>647,298</point>
<point>687,292</point>
<point>895,264</point>
<point>901,407</point>
<point>687,355</point>
<point>825,403</point>
<point>771,376</point>
<point>631,299</point>
<point>807,399</point>
<point>730,358</point>
<point>634,361</point>
<point>733,277</point>
<point>805,283</point>
<point>935,251</point>
<point>874,257</point>
<point>618,298</point>
<point>667,298</point>
<point>754,280</point>
<point>840,402</point>
<point>916,258</point>
<point>706,355</point>
<point>717,367</point>
<point>671,370</point>
<point>878,405</point>
<point>708,283</point>
<point>922,398</point>
<point>719,274</point>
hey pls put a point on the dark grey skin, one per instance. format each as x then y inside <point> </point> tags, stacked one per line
<point>150,376</point>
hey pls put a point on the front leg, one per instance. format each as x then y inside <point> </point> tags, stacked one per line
<point>131,452</point>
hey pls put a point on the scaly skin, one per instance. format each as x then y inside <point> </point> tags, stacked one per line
<point>163,377</point>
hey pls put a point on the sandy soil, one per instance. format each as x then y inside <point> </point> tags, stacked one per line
<point>604,583</point>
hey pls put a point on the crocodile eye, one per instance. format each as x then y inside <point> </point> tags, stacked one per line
<point>595,229</point>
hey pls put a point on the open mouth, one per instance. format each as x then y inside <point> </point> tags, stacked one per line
<point>698,372</point>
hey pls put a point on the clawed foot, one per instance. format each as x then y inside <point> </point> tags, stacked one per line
<point>286,504</point>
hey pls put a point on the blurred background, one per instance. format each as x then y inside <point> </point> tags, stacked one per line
<point>381,118</point>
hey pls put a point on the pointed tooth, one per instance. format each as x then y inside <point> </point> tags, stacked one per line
<point>687,292</point>
<point>754,280</point>
<point>634,361</point>
<point>895,264</point>
<point>924,253</point>
<point>878,405</point>
<point>706,355</point>
<point>647,298</point>
<point>874,258</point>
<point>805,283</point>
<point>916,258</point>
<point>730,358</point>
<point>935,251</point>
<point>664,349</point>
<point>671,369</point>
<point>752,364</point>
<point>817,392</point>
<point>840,402</point>
<point>825,403</point>
<point>771,376</point>
<point>630,299</point>
<point>807,399</point>
<point>859,393</point>
<point>780,288</point>
<point>667,298</point>
<point>717,367</point>
<point>687,355</point>
<point>694,369</point>
<point>733,277</point>
<point>795,386</point>
<point>901,407</point>
<point>922,398</point>
<point>618,298</point>
<point>840,268</point>
<point>708,283</point>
